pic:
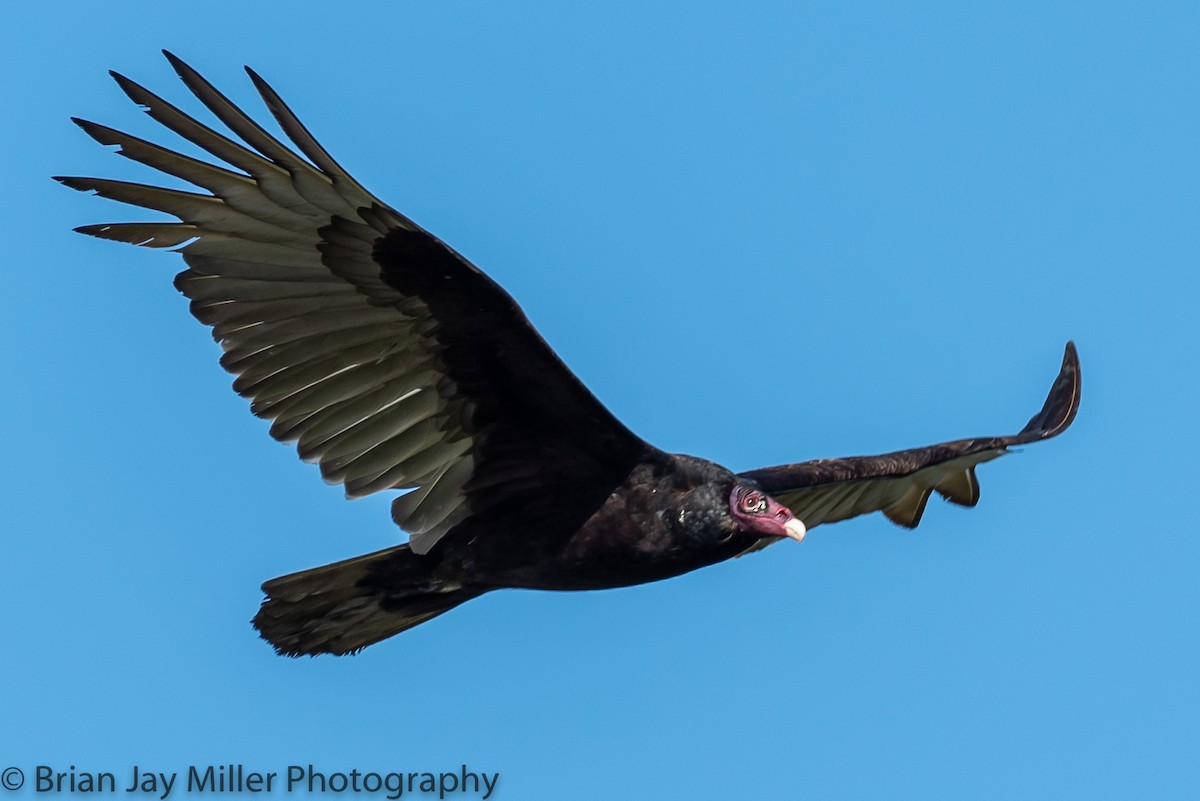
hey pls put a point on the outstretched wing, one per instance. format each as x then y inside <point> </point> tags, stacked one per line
<point>385,356</point>
<point>899,484</point>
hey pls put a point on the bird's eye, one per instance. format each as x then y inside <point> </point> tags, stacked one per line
<point>753,503</point>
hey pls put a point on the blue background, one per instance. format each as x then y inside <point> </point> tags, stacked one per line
<point>760,232</point>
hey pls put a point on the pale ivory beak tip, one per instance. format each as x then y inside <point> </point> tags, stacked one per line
<point>795,529</point>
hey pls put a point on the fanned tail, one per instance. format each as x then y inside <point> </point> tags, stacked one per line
<point>344,607</point>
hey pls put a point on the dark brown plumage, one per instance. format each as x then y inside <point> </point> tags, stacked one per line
<point>394,364</point>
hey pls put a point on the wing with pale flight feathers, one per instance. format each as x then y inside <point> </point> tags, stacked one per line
<point>385,356</point>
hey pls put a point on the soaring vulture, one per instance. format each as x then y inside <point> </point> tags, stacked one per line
<point>395,364</point>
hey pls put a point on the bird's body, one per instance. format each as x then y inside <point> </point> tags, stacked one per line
<point>668,517</point>
<point>396,364</point>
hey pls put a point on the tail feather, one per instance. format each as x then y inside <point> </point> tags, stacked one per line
<point>344,607</point>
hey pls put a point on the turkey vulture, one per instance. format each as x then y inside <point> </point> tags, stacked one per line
<point>395,364</point>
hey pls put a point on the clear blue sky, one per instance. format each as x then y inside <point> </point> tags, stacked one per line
<point>896,213</point>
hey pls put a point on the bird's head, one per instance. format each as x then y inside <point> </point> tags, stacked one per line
<point>756,511</point>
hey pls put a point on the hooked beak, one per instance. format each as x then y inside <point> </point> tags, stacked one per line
<point>795,529</point>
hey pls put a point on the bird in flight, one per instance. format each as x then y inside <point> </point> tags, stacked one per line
<point>395,364</point>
